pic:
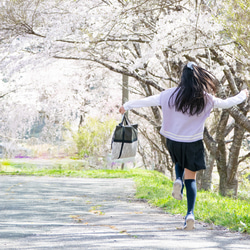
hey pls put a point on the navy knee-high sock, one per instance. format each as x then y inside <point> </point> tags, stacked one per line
<point>191,195</point>
<point>179,172</point>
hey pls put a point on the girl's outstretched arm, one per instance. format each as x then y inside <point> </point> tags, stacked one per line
<point>153,100</point>
<point>231,101</point>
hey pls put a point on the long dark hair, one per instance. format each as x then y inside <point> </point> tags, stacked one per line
<point>191,94</point>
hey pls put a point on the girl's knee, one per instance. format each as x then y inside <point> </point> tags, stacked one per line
<point>189,175</point>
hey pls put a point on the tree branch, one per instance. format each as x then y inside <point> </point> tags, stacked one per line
<point>226,71</point>
<point>146,118</point>
<point>110,67</point>
<point>221,159</point>
<point>240,118</point>
<point>234,153</point>
<point>210,143</point>
<point>137,40</point>
<point>2,96</point>
<point>156,146</point>
<point>243,158</point>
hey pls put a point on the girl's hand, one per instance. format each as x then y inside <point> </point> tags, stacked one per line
<point>122,110</point>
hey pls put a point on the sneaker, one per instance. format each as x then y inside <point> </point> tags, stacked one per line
<point>189,222</point>
<point>177,190</point>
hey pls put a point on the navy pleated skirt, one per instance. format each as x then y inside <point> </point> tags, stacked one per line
<point>190,155</point>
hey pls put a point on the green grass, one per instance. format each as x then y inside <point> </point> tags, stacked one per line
<point>210,207</point>
<point>156,189</point>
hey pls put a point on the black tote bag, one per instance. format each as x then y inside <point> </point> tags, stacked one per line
<point>124,141</point>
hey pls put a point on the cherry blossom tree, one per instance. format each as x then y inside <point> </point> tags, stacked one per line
<point>147,40</point>
<point>235,18</point>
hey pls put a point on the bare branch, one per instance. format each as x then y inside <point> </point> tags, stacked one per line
<point>156,145</point>
<point>240,118</point>
<point>152,122</point>
<point>209,142</point>
<point>121,71</point>
<point>243,158</point>
<point>227,72</point>
<point>108,39</point>
<point>2,96</point>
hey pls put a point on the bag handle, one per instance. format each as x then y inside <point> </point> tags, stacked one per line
<point>125,120</point>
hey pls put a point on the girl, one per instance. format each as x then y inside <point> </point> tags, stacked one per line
<point>185,109</point>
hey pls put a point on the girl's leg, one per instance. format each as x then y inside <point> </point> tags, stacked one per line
<point>190,183</point>
<point>189,174</point>
<point>178,184</point>
<point>179,171</point>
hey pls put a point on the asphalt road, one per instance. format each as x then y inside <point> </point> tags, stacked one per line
<point>74,213</point>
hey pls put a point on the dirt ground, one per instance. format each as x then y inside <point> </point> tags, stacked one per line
<point>77,213</point>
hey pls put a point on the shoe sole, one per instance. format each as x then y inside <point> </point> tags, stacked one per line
<point>177,191</point>
<point>189,224</point>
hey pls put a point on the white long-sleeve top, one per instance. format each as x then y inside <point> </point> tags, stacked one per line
<point>183,127</point>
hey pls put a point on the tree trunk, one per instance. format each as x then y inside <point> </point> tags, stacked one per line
<point>125,98</point>
<point>226,188</point>
<point>228,185</point>
<point>204,177</point>
<point>125,92</point>
<point>231,188</point>
<point>221,153</point>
